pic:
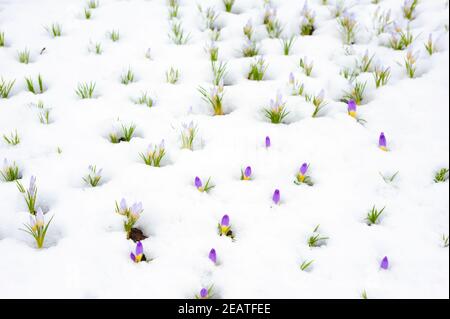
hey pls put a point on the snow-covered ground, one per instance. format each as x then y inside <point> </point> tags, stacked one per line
<point>86,253</point>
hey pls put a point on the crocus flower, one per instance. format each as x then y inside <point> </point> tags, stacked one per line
<point>32,187</point>
<point>139,253</point>
<point>204,293</point>
<point>351,108</point>
<point>276,196</point>
<point>268,143</point>
<point>384,263</point>
<point>301,175</point>
<point>291,78</point>
<point>382,142</point>
<point>247,174</point>
<point>135,211</point>
<point>225,225</point>
<point>123,207</point>
<point>198,183</point>
<point>37,221</point>
<point>213,255</point>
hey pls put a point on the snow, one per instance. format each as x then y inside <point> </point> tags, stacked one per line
<point>86,254</point>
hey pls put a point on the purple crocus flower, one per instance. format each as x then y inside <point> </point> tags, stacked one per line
<point>204,293</point>
<point>213,255</point>
<point>32,187</point>
<point>382,142</point>
<point>351,108</point>
<point>123,205</point>
<point>303,168</point>
<point>291,78</point>
<point>276,196</point>
<point>247,174</point>
<point>268,143</point>
<point>384,263</point>
<point>198,183</point>
<point>139,253</point>
<point>225,221</point>
<point>135,210</point>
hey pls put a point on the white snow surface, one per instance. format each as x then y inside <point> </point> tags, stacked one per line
<point>86,254</point>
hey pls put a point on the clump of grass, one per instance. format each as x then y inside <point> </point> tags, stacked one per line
<point>287,44</point>
<point>445,241</point>
<point>5,88</point>
<point>441,176</point>
<point>126,134</point>
<point>305,266</point>
<point>92,4</point>
<point>250,49</point>
<point>316,239</point>
<point>87,14</point>
<point>114,35</point>
<point>93,177</point>
<point>364,294</point>
<point>365,62</point>
<point>172,75</point>
<point>408,8</point>
<point>146,99</point>
<point>228,5</point>
<point>44,116</point>
<point>308,18</point>
<point>2,39</point>
<point>219,72</point>
<point>373,216</point>
<point>174,9</point>
<point>127,77</point>
<point>95,48</point>
<point>349,73</point>
<point>85,90</point>
<point>306,66</point>
<point>209,17</point>
<point>298,88</point>
<point>10,172</point>
<point>356,93</point>
<point>389,178</point>
<point>348,25</point>
<point>154,154</point>
<point>257,70</point>
<point>381,20</point>
<point>214,34</point>
<point>177,34</point>
<point>214,98</point>
<point>24,56</point>
<point>213,51</point>
<point>381,75</point>
<point>12,139</point>
<point>276,112</point>
<point>410,63</point>
<point>40,85</point>
<point>55,30</point>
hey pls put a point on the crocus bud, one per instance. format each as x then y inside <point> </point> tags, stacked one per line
<point>291,78</point>
<point>136,210</point>
<point>198,183</point>
<point>204,293</point>
<point>213,255</point>
<point>225,225</point>
<point>384,263</point>
<point>351,108</point>
<point>276,196</point>
<point>382,142</point>
<point>268,143</point>
<point>39,218</point>
<point>247,174</point>
<point>139,253</point>
<point>302,172</point>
